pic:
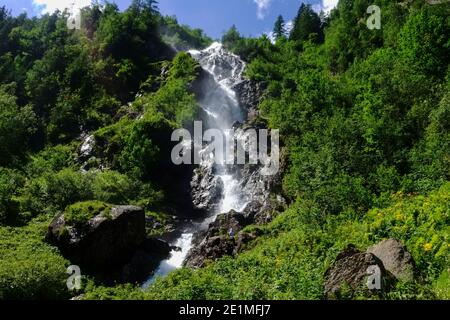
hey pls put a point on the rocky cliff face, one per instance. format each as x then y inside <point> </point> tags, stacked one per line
<point>250,95</point>
<point>240,194</point>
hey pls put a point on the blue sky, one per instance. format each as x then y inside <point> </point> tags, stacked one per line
<point>252,17</point>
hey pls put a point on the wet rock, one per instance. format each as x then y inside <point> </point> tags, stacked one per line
<point>250,95</point>
<point>217,242</point>
<point>102,242</point>
<point>211,249</point>
<point>145,260</point>
<point>228,67</point>
<point>207,189</point>
<point>227,99</point>
<point>395,257</point>
<point>86,147</point>
<point>156,246</point>
<point>348,275</point>
<point>243,239</point>
<point>258,213</point>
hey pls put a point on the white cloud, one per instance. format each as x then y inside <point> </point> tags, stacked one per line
<point>328,5</point>
<point>287,28</point>
<point>50,6</point>
<point>262,8</point>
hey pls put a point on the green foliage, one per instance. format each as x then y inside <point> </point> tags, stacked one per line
<point>120,292</point>
<point>430,158</point>
<point>139,154</point>
<point>51,159</point>
<point>442,286</point>
<point>363,115</point>
<point>54,191</point>
<point>29,268</point>
<point>422,223</point>
<point>16,124</point>
<point>113,187</point>
<point>184,67</point>
<point>10,181</point>
<point>424,41</point>
<point>80,213</point>
<point>307,24</point>
<point>348,37</point>
<point>182,37</point>
<point>247,48</point>
<point>279,28</point>
<point>289,260</point>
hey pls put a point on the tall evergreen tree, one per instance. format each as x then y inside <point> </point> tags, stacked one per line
<point>231,37</point>
<point>306,23</point>
<point>279,28</point>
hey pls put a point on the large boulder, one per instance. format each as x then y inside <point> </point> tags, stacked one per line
<point>395,257</point>
<point>102,242</point>
<point>349,273</point>
<point>216,241</point>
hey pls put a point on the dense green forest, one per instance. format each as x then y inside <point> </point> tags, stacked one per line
<point>364,117</point>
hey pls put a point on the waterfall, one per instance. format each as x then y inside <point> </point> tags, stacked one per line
<point>221,110</point>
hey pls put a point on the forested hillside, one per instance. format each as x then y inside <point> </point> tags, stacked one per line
<point>364,120</point>
<point>60,89</point>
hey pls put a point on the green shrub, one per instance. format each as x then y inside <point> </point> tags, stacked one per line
<point>80,213</point>
<point>10,181</point>
<point>29,268</point>
<point>16,126</point>
<point>54,191</point>
<point>114,187</point>
<point>51,159</point>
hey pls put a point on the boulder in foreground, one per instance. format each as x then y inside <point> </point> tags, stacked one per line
<point>395,257</point>
<point>100,237</point>
<point>348,275</point>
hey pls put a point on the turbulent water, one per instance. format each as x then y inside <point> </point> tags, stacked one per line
<point>221,110</point>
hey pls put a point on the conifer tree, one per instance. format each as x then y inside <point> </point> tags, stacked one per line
<point>279,28</point>
<point>306,23</point>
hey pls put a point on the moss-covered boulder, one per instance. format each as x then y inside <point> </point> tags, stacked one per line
<point>98,236</point>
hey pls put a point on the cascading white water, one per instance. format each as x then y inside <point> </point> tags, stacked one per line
<point>222,110</point>
<point>221,104</point>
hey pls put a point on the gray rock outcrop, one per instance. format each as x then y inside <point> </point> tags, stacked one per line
<point>349,273</point>
<point>395,257</point>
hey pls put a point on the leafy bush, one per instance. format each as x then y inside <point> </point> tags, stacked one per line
<point>113,187</point>
<point>80,213</point>
<point>16,124</point>
<point>421,222</point>
<point>51,159</point>
<point>29,268</point>
<point>10,181</point>
<point>182,38</point>
<point>54,191</point>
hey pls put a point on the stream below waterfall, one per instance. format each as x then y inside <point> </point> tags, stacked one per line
<point>221,110</point>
